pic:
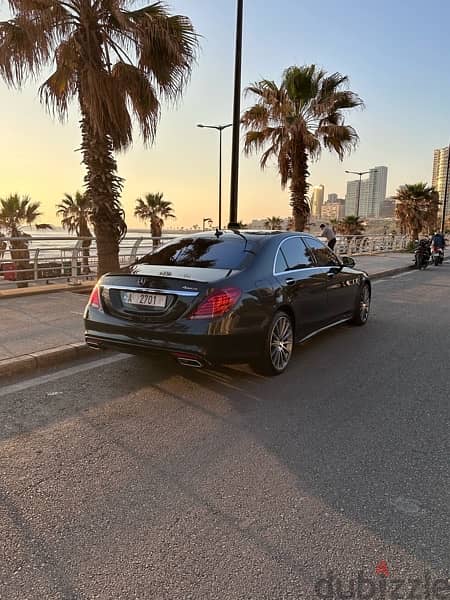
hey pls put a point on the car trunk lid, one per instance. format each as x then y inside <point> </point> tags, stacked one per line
<point>150,293</point>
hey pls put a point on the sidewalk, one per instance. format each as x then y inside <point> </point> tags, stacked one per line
<point>42,330</point>
<point>376,265</point>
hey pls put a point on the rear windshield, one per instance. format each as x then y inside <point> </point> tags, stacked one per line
<point>212,253</point>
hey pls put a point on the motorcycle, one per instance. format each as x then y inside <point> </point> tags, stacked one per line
<point>422,254</point>
<point>437,255</point>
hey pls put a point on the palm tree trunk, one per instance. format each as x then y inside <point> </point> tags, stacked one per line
<point>85,244</point>
<point>299,189</point>
<point>20,255</point>
<point>156,232</point>
<point>103,187</point>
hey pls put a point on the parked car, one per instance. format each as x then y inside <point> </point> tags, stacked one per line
<point>226,297</point>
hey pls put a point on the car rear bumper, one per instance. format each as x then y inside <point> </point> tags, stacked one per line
<point>209,349</point>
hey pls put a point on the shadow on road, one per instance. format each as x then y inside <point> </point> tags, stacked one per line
<point>341,461</point>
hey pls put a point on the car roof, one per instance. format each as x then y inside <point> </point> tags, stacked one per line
<point>249,234</point>
<point>255,239</point>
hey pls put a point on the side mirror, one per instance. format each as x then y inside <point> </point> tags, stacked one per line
<point>347,261</point>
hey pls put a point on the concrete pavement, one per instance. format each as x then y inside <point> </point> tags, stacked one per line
<point>127,479</point>
<point>53,322</point>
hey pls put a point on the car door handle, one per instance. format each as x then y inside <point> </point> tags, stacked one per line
<point>290,281</point>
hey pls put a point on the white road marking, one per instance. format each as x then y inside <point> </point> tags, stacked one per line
<point>74,312</point>
<point>42,379</point>
<point>393,277</point>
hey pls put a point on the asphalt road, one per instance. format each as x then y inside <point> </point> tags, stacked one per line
<point>122,479</point>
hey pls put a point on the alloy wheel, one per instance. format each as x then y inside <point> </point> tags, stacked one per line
<point>281,343</point>
<point>364,304</point>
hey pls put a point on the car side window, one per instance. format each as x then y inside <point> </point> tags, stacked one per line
<point>296,255</point>
<point>323,255</point>
<point>280,263</point>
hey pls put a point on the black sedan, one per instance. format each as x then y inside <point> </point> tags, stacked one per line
<point>229,296</point>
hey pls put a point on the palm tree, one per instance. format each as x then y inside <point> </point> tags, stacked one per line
<point>417,208</point>
<point>15,213</point>
<point>351,225</point>
<point>273,223</point>
<point>75,214</point>
<point>118,64</point>
<point>156,210</point>
<point>292,122</point>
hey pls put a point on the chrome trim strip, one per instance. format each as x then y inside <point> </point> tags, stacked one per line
<point>150,290</point>
<point>323,329</point>
<point>301,237</point>
<point>299,270</point>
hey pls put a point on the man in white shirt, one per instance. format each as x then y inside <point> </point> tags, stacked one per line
<point>329,233</point>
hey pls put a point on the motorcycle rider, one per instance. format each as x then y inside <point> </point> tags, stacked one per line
<point>422,254</point>
<point>438,240</point>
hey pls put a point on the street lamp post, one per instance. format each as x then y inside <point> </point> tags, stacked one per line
<point>360,173</point>
<point>206,220</point>
<point>444,205</point>
<point>236,119</point>
<point>219,128</point>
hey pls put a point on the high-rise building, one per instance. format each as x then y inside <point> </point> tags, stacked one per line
<point>377,191</point>
<point>332,198</point>
<point>318,192</point>
<point>332,211</point>
<point>351,197</point>
<point>371,195</point>
<point>387,209</point>
<point>440,176</point>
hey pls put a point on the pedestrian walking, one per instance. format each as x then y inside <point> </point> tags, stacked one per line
<point>329,233</point>
<point>3,246</point>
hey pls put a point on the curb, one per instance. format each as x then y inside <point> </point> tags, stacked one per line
<point>390,272</point>
<point>43,359</point>
<point>83,288</point>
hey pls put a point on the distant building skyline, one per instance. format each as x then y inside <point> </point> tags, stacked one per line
<point>440,176</point>
<point>317,197</point>
<point>332,198</point>
<point>260,223</point>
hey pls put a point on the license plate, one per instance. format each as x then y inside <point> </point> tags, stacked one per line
<point>144,299</point>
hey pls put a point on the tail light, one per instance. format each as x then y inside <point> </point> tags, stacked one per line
<point>217,303</point>
<point>95,299</point>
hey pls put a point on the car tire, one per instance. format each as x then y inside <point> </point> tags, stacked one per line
<point>362,308</point>
<point>278,346</point>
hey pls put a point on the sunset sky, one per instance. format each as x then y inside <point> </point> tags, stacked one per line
<point>395,53</point>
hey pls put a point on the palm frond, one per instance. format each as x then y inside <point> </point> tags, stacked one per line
<point>134,85</point>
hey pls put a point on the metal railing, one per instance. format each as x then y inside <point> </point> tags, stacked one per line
<point>370,244</point>
<point>39,260</point>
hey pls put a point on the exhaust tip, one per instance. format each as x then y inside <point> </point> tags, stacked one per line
<point>93,345</point>
<point>187,360</point>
